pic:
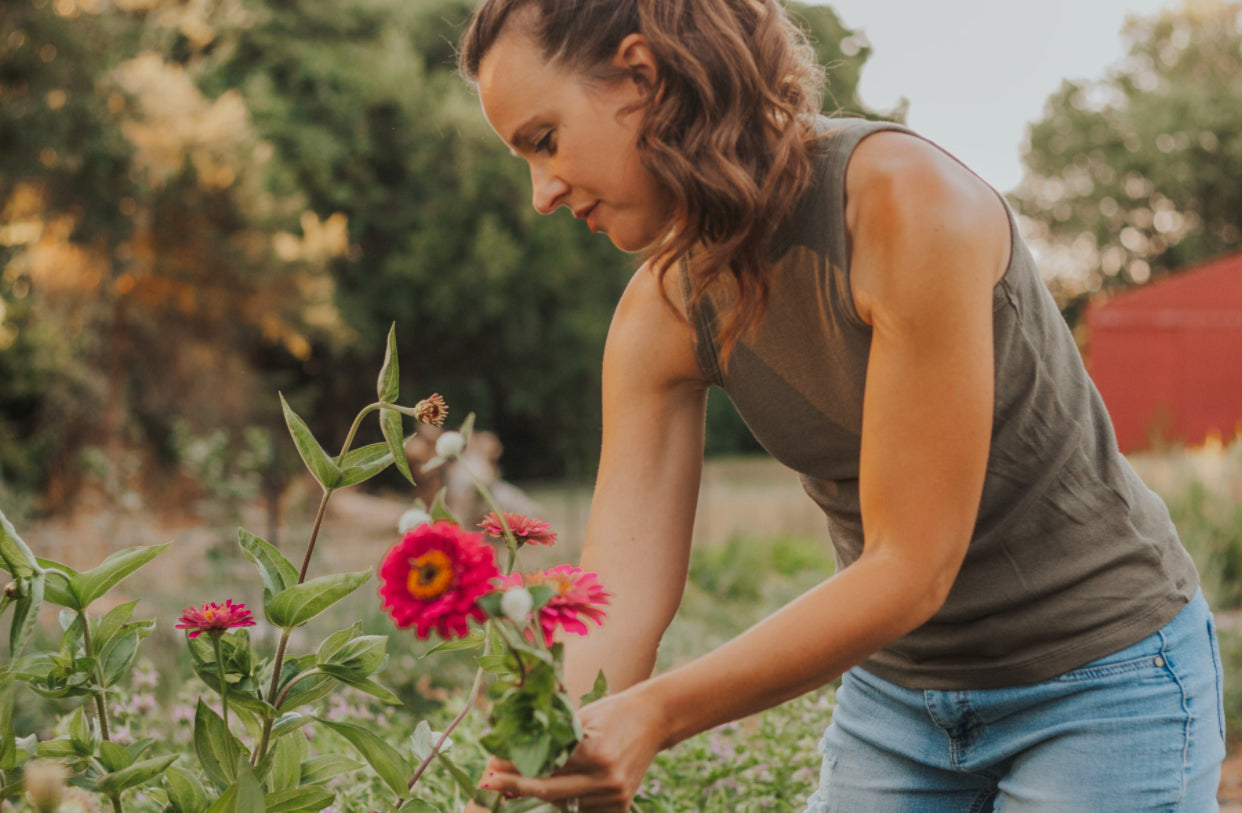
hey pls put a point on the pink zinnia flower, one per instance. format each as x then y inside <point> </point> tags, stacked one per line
<point>433,577</point>
<point>528,530</point>
<point>214,618</point>
<point>578,595</point>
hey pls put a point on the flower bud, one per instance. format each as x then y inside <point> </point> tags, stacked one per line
<point>450,445</point>
<point>46,780</point>
<point>11,590</point>
<point>516,603</point>
<point>411,519</point>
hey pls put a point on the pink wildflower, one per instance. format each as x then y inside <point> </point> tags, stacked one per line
<point>578,594</point>
<point>528,530</point>
<point>214,618</point>
<point>433,577</point>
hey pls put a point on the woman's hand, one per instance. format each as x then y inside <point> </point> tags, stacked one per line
<point>621,735</point>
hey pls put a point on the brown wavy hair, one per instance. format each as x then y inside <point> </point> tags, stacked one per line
<point>727,130</point>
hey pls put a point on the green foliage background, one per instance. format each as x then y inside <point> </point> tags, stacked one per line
<point>180,313</point>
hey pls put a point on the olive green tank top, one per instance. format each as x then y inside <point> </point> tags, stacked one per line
<point>1072,556</point>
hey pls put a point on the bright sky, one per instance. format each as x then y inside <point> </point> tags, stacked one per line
<point>976,72</point>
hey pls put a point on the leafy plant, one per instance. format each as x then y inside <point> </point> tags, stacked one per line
<point>244,757</point>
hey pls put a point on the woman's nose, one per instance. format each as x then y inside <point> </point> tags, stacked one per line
<point>548,190</point>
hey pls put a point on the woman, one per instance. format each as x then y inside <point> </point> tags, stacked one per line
<point>1017,626</point>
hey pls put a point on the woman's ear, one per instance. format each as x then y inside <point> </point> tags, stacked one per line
<point>635,58</point>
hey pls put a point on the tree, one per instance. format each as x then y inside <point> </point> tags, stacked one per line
<point>1137,174</point>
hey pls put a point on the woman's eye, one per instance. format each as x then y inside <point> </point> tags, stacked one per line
<point>545,144</point>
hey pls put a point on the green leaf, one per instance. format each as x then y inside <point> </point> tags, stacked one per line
<point>326,767</point>
<point>277,572</point>
<point>243,796</point>
<point>463,779</point>
<point>26,615</point>
<point>136,774</point>
<point>420,806</point>
<point>365,684</point>
<point>92,584</point>
<point>119,654</point>
<point>470,641</point>
<point>80,733</point>
<point>287,763</point>
<point>440,510</point>
<point>388,763</point>
<point>318,462</point>
<point>8,690</point>
<point>364,654</point>
<point>294,800</point>
<point>297,605</point>
<point>598,690</point>
<point>14,554</point>
<point>185,792</point>
<point>103,630</point>
<point>113,756</point>
<point>467,428</point>
<point>390,425</point>
<point>530,754</point>
<point>59,748</point>
<point>359,465</point>
<point>495,664</point>
<point>215,747</point>
<point>289,722</point>
<point>389,384</point>
<point>59,587</point>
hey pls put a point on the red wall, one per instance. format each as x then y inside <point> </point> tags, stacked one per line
<point>1167,358</point>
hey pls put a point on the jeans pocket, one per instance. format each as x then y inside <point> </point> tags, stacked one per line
<point>1220,673</point>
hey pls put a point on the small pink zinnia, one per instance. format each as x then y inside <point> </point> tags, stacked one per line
<point>214,618</point>
<point>433,577</point>
<point>578,594</point>
<point>528,530</point>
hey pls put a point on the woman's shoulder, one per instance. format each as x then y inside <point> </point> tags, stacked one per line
<point>651,337</point>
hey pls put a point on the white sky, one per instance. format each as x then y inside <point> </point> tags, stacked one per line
<point>976,72</point>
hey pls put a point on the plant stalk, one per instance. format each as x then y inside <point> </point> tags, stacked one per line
<point>101,706</point>
<point>224,694</point>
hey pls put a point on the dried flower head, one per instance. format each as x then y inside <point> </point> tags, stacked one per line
<point>46,780</point>
<point>432,410</point>
<point>214,618</point>
<point>528,530</point>
<point>577,595</point>
<point>432,579</point>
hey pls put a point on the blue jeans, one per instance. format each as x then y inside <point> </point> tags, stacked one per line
<point>1139,731</point>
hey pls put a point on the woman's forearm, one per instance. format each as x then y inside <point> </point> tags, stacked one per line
<point>801,647</point>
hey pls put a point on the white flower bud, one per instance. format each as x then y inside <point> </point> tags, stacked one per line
<point>450,445</point>
<point>412,519</point>
<point>516,603</point>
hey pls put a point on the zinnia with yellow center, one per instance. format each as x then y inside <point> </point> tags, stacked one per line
<point>578,594</point>
<point>432,579</point>
<point>214,618</point>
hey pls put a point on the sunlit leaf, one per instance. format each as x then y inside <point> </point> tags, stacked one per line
<point>318,462</point>
<point>393,769</point>
<point>91,584</point>
<point>296,605</point>
<point>389,385</point>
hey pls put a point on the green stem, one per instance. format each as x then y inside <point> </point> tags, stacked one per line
<point>224,694</point>
<point>461,715</point>
<point>101,707</point>
<point>510,540</point>
<point>270,718</point>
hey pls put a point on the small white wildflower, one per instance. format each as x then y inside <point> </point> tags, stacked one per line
<point>516,603</point>
<point>412,519</point>
<point>450,445</point>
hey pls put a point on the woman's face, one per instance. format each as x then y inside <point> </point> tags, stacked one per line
<point>580,145</point>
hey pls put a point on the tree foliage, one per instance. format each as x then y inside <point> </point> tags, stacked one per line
<point>202,202</point>
<point>1136,174</point>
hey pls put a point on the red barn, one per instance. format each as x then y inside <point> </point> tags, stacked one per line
<point>1167,357</point>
